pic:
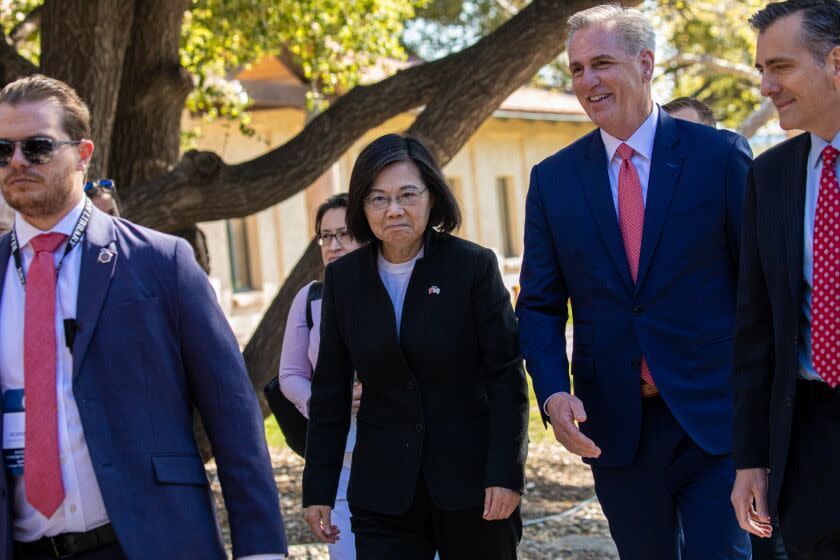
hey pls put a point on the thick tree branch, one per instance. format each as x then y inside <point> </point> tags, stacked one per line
<point>757,118</point>
<point>202,187</point>
<point>12,64</point>
<point>713,64</point>
<point>26,27</point>
<point>495,71</point>
<point>262,354</point>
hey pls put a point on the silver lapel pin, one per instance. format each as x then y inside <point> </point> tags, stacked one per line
<point>105,256</point>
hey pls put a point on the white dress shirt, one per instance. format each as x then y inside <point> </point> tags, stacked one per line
<point>812,189</point>
<point>395,277</point>
<point>642,143</point>
<point>83,508</point>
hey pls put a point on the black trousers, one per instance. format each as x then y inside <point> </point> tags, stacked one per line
<point>110,552</point>
<point>769,549</point>
<point>809,513</point>
<point>425,529</point>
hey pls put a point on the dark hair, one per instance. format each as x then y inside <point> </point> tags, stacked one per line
<point>76,117</point>
<point>820,23</point>
<point>384,151</point>
<point>335,201</point>
<point>707,116</point>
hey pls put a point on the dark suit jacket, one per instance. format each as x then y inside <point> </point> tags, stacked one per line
<point>152,344</point>
<point>447,400</point>
<point>770,309</point>
<point>680,313</point>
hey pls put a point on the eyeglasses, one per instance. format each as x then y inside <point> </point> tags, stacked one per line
<point>37,150</point>
<point>343,236</point>
<point>406,198</point>
<point>95,188</point>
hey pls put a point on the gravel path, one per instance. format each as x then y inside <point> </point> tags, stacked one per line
<point>558,483</point>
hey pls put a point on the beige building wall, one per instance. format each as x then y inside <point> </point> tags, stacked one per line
<point>489,175</point>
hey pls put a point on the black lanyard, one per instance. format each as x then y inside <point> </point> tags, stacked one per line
<point>81,225</point>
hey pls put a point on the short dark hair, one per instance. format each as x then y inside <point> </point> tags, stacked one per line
<point>335,201</point>
<point>384,151</point>
<point>820,23</point>
<point>707,116</point>
<point>31,89</point>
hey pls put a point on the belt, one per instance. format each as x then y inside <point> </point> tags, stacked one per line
<point>648,390</point>
<point>68,544</point>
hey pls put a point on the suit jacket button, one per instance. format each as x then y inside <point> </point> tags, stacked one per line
<point>411,385</point>
<point>637,364</point>
<point>795,339</point>
<point>419,427</point>
<point>788,401</point>
<point>637,309</point>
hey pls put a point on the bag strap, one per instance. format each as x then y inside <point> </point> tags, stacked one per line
<point>316,290</point>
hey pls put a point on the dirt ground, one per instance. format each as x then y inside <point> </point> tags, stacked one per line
<point>562,519</point>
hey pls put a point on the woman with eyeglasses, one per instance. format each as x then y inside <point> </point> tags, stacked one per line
<point>426,321</point>
<point>300,353</point>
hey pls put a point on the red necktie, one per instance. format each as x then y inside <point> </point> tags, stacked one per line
<point>631,220</point>
<point>41,465</point>
<point>825,300</point>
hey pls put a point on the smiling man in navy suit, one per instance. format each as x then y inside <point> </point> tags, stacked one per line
<point>637,223</point>
<point>111,336</point>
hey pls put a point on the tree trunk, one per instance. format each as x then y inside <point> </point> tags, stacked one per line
<point>262,354</point>
<point>83,43</point>
<point>154,87</point>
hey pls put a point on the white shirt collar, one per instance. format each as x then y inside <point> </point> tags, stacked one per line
<point>641,141</point>
<point>26,231</point>
<point>818,144</point>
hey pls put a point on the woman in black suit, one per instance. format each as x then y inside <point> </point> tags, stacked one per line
<point>424,319</point>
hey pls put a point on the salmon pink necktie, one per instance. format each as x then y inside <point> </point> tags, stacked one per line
<point>41,467</point>
<point>825,300</point>
<point>631,220</point>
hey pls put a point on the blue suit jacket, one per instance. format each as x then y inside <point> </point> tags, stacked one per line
<point>152,344</point>
<point>679,314</point>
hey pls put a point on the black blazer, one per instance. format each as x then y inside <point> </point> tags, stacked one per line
<point>448,400</point>
<point>770,309</point>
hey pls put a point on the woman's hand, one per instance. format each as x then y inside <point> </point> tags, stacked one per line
<point>357,396</point>
<point>499,502</point>
<point>318,519</point>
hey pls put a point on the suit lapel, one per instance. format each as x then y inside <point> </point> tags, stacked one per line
<point>665,166</point>
<point>598,194</point>
<point>99,259</point>
<point>5,254</point>
<point>792,193</point>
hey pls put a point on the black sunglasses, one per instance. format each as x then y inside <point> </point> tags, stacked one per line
<point>37,150</point>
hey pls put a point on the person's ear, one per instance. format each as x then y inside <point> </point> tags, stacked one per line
<point>85,154</point>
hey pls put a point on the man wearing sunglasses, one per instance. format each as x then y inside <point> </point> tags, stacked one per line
<point>111,336</point>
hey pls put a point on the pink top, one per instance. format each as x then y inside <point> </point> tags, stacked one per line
<point>300,351</point>
<point>299,356</point>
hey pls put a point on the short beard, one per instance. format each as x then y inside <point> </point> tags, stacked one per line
<point>45,203</point>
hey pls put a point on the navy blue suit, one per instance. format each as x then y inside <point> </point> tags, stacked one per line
<point>679,314</point>
<point>152,344</point>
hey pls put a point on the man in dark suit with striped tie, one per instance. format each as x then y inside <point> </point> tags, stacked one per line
<point>787,344</point>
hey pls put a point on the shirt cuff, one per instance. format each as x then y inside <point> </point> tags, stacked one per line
<point>545,404</point>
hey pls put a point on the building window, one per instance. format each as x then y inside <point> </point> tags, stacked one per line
<point>504,193</point>
<point>240,258</point>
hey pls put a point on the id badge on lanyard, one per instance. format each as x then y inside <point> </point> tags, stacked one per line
<point>13,431</point>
